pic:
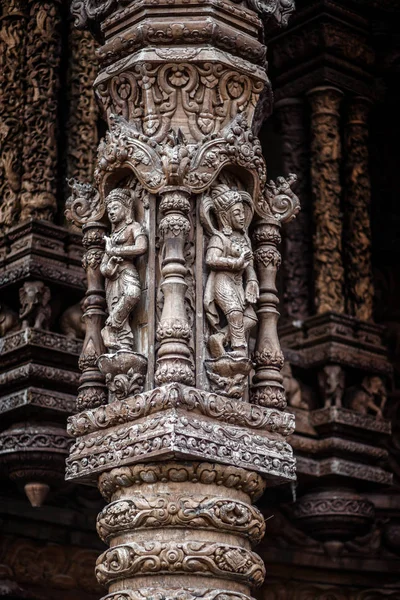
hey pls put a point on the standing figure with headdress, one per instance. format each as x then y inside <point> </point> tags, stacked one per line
<point>128,240</point>
<point>232,285</point>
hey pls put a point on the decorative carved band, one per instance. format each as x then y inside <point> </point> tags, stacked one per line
<point>196,472</point>
<point>176,594</point>
<point>197,558</point>
<point>189,399</point>
<point>184,436</point>
<point>222,514</point>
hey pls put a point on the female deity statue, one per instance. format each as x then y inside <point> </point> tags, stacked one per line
<point>128,239</point>
<point>232,285</point>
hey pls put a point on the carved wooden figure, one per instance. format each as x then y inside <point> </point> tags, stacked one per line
<point>35,305</point>
<point>232,287</point>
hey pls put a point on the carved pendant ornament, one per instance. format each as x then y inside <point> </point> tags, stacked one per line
<point>181,393</point>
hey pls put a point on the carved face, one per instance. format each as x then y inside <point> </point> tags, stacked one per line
<point>375,385</point>
<point>238,217</point>
<point>116,211</point>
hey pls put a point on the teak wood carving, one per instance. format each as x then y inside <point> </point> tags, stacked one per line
<point>181,228</point>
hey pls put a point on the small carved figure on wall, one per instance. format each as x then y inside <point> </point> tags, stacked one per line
<point>8,320</point>
<point>232,286</point>
<point>370,396</point>
<point>35,309</point>
<point>331,381</point>
<point>123,368</point>
<point>292,388</point>
<point>71,323</point>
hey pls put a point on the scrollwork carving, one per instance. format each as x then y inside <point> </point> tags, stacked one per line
<point>84,204</point>
<point>202,472</point>
<point>199,558</point>
<point>202,513</point>
<point>326,191</point>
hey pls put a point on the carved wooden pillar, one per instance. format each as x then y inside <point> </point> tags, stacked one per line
<point>267,383</point>
<point>43,53</point>
<point>180,184</point>
<point>297,240</point>
<point>359,285</point>
<point>326,191</point>
<point>92,390</point>
<point>12,98</point>
<point>174,360</point>
<point>81,128</point>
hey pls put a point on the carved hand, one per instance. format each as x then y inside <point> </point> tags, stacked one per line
<point>245,258</point>
<point>109,244</point>
<point>252,292</point>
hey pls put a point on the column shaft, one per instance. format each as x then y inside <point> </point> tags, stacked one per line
<point>326,191</point>
<point>359,285</point>
<point>297,238</point>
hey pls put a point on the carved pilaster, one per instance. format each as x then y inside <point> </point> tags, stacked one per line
<point>174,360</point>
<point>92,390</point>
<point>297,235</point>
<point>81,128</point>
<point>359,285</point>
<point>326,191</point>
<point>43,52</point>
<point>268,389</point>
<point>12,98</point>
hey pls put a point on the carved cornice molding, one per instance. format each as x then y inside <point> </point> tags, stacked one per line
<point>92,12</point>
<point>175,396</point>
<point>179,434</point>
<point>39,397</point>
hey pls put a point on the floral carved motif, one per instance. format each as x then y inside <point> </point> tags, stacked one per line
<point>203,559</point>
<point>199,472</point>
<point>202,513</point>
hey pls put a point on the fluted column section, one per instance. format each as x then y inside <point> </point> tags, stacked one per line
<point>297,240</point>
<point>174,360</point>
<point>326,191</point>
<point>92,389</point>
<point>359,283</point>
<point>267,382</point>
